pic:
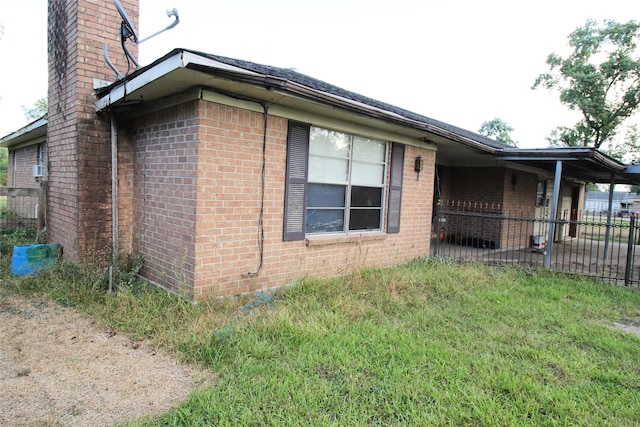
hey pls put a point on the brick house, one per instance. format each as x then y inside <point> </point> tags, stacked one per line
<point>26,166</point>
<point>229,176</point>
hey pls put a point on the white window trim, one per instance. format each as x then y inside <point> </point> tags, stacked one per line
<point>349,185</point>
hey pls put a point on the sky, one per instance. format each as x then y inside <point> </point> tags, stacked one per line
<point>462,62</point>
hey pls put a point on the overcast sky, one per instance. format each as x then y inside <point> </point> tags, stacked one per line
<point>462,62</point>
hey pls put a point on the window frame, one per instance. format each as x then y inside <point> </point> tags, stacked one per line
<point>41,154</point>
<point>295,183</point>
<point>349,185</point>
<point>541,196</point>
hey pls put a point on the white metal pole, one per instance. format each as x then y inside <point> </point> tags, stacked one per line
<point>554,210</point>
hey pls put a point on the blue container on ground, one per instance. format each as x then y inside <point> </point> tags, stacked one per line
<point>28,259</point>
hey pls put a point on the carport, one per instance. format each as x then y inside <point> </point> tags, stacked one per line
<point>586,164</point>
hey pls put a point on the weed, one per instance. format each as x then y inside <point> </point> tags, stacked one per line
<point>128,273</point>
<point>428,343</point>
<point>11,236</point>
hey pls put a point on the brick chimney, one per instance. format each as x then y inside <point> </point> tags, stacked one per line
<point>78,139</point>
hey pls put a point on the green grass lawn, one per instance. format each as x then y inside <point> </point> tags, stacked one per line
<point>427,344</point>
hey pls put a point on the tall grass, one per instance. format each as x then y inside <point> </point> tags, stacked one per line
<point>428,343</point>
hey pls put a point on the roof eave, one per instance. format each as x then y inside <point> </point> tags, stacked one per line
<point>561,154</point>
<point>118,92</point>
<point>32,131</point>
<point>362,108</point>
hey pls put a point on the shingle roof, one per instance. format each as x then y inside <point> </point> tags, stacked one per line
<point>603,195</point>
<point>313,83</point>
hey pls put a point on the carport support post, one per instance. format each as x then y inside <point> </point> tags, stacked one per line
<point>554,209</point>
<point>609,217</point>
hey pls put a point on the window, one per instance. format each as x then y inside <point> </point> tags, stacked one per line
<point>335,183</point>
<point>345,189</point>
<point>40,154</point>
<point>541,194</point>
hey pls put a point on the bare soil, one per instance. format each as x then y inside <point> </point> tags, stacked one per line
<point>60,368</point>
<point>631,326</point>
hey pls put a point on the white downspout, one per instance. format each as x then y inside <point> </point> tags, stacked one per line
<point>113,270</point>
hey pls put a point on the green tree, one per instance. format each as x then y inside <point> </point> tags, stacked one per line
<point>38,110</point>
<point>601,80</point>
<point>592,186</point>
<point>4,166</point>
<point>500,130</point>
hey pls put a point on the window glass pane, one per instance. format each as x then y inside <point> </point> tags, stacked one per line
<point>326,195</point>
<point>368,161</point>
<point>346,177</point>
<point>329,143</point>
<point>368,150</point>
<point>325,220</point>
<point>328,169</point>
<point>541,193</point>
<point>366,197</point>
<point>364,219</point>
<point>367,173</point>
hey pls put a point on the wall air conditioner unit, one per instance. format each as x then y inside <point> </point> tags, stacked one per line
<point>37,171</point>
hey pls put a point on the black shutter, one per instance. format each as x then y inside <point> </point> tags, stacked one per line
<point>395,188</point>
<point>295,201</point>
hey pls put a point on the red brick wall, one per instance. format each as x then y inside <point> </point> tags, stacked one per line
<point>197,199</point>
<point>489,190</point>
<point>20,167</point>
<point>473,185</point>
<point>519,201</point>
<point>158,193</point>
<point>20,175</point>
<point>126,185</point>
<point>79,212</point>
<point>519,198</point>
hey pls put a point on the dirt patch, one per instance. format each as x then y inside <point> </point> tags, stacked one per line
<point>632,326</point>
<point>58,367</point>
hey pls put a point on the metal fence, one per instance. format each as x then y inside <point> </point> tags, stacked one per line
<point>19,207</point>
<point>589,244</point>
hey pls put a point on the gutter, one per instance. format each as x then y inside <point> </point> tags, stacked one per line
<point>561,154</point>
<point>117,92</point>
<point>384,114</point>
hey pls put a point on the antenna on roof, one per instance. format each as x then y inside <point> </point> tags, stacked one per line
<point>127,32</point>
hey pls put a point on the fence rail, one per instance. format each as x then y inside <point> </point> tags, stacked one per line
<point>591,244</point>
<point>21,208</point>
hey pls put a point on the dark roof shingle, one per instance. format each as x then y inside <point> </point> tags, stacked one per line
<point>316,84</point>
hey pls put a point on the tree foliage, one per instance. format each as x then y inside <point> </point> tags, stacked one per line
<point>600,79</point>
<point>38,110</point>
<point>4,165</point>
<point>498,129</point>
<point>592,186</point>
